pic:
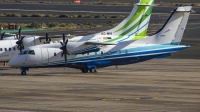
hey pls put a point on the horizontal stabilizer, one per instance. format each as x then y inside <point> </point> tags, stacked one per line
<point>53,36</point>
<point>184,9</point>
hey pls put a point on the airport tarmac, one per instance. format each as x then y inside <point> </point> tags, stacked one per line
<point>164,85</point>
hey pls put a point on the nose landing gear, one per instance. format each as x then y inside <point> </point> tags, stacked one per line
<point>23,71</point>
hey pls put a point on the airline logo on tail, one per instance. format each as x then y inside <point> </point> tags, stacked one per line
<point>135,26</point>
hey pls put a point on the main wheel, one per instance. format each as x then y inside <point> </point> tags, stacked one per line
<point>84,70</point>
<point>23,72</point>
<point>93,70</point>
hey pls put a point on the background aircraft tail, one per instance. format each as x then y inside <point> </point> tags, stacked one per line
<point>172,31</point>
<point>133,27</point>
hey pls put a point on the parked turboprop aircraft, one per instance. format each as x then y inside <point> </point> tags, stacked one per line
<point>162,44</point>
<point>10,47</point>
<point>133,27</point>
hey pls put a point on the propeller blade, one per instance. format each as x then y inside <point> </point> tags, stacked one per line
<point>17,36</point>
<point>18,47</point>
<point>61,43</point>
<point>63,37</point>
<point>62,54</point>
<point>67,52</point>
<point>22,38</point>
<point>66,42</point>
<point>19,33</point>
<point>2,35</point>
<point>46,37</point>
<point>65,59</point>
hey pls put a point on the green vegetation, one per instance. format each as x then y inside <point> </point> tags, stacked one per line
<point>62,16</point>
<point>58,25</point>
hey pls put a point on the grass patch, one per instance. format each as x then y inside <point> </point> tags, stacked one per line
<point>61,16</point>
<point>58,25</point>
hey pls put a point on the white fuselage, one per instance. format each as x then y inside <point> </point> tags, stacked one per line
<point>9,46</point>
<point>8,49</point>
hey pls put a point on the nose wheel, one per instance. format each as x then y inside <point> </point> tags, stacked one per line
<point>23,72</point>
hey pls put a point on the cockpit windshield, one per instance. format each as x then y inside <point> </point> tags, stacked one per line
<point>31,52</point>
<point>23,52</point>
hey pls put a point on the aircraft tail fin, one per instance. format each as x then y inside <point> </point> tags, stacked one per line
<point>133,27</point>
<point>172,31</point>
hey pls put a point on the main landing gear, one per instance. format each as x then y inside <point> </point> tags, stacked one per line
<point>92,70</point>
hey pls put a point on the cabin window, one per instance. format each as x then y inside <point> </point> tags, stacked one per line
<point>14,48</point>
<point>95,53</point>
<point>23,52</point>
<point>5,49</point>
<point>31,52</point>
<point>1,49</point>
<point>119,52</point>
<point>9,49</point>
<point>109,52</point>
<point>88,54</point>
<point>54,54</point>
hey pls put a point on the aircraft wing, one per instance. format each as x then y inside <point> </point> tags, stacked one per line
<point>54,36</point>
<point>99,43</point>
<point>8,34</point>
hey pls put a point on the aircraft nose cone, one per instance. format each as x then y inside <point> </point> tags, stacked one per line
<point>14,62</point>
<point>11,63</point>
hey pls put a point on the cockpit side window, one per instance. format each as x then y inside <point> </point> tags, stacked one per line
<point>31,52</point>
<point>23,52</point>
<point>5,49</point>
<point>1,49</point>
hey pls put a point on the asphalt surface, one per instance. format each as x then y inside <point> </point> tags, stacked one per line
<point>77,9</point>
<point>164,85</point>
